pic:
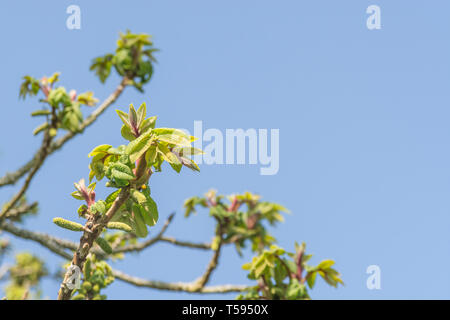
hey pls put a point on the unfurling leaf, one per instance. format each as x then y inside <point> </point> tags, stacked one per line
<point>141,228</point>
<point>139,146</point>
<point>102,243</point>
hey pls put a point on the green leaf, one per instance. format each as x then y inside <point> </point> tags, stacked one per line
<point>311,279</point>
<point>103,148</point>
<point>119,175</point>
<point>102,67</point>
<point>87,98</point>
<point>147,124</point>
<point>124,117</point>
<point>111,198</point>
<point>77,195</point>
<point>174,139</point>
<point>132,117</point>
<point>168,155</point>
<point>102,243</point>
<point>325,264</point>
<point>141,113</point>
<point>150,156</point>
<point>189,151</point>
<point>141,228</point>
<point>126,133</point>
<point>189,163</point>
<point>58,96</point>
<point>152,211</point>
<point>139,146</point>
<point>99,206</point>
<point>54,78</point>
<point>247,266</point>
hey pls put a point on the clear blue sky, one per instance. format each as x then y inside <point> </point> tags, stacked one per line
<point>363,118</point>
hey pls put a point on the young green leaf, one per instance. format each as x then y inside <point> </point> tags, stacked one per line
<point>141,113</point>
<point>102,243</point>
<point>139,146</point>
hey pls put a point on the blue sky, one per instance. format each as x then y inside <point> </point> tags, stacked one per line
<point>363,118</point>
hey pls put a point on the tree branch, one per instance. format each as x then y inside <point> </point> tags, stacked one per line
<point>212,265</point>
<point>16,212</point>
<point>191,287</point>
<point>45,240</point>
<point>43,153</point>
<point>57,246</point>
<point>95,226</point>
<point>188,244</point>
<point>13,177</point>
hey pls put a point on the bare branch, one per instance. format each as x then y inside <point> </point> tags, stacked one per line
<point>145,244</point>
<point>178,286</point>
<point>16,212</point>
<point>159,237</point>
<point>12,177</point>
<point>47,241</point>
<point>204,246</point>
<point>212,265</point>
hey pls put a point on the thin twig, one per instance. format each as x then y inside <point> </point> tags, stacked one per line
<point>145,244</point>
<point>16,212</point>
<point>188,244</point>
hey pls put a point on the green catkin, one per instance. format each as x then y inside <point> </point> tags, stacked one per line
<point>104,245</point>
<point>87,269</point>
<point>87,286</point>
<point>66,224</point>
<point>119,226</point>
<point>96,288</point>
<point>79,297</point>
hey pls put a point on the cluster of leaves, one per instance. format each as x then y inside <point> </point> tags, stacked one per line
<point>242,218</point>
<point>61,108</point>
<point>131,166</point>
<point>133,59</point>
<point>97,276</point>
<point>24,276</point>
<point>283,275</point>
